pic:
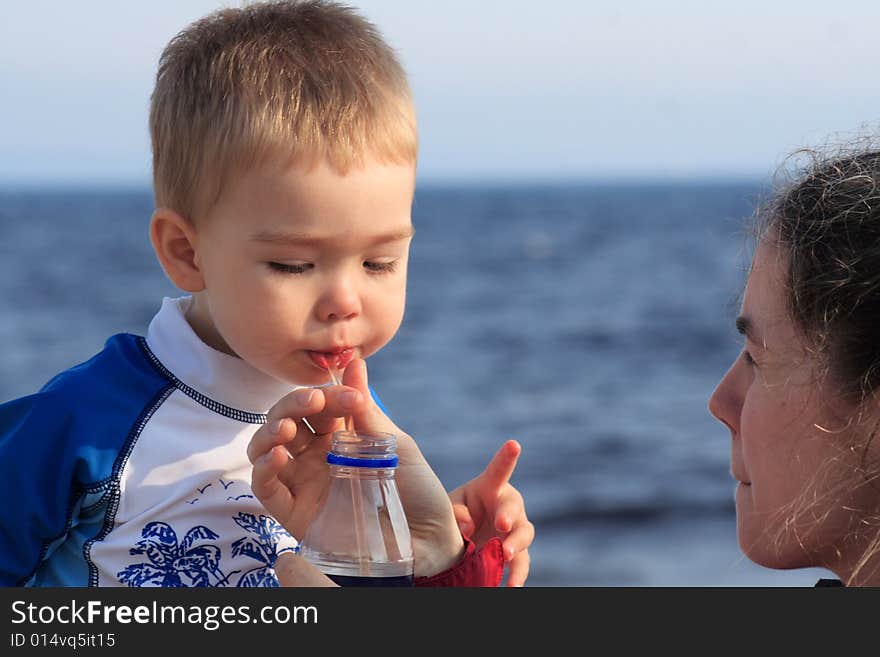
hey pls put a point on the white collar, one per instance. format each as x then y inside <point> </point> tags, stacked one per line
<point>221,377</point>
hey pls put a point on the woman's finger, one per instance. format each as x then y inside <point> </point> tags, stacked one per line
<point>368,417</point>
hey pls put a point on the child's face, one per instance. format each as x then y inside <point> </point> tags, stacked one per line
<point>301,266</point>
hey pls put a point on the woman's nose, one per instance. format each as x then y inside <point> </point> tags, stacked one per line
<point>725,404</point>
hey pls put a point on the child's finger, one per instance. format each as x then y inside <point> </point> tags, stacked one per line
<point>322,408</point>
<point>518,569</point>
<point>518,540</point>
<point>509,509</point>
<point>293,570</point>
<point>267,436</point>
<point>502,465</point>
<point>300,403</point>
<point>464,519</point>
<point>305,438</point>
<point>339,402</point>
<point>266,485</point>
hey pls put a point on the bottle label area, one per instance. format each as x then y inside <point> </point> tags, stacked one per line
<point>335,565</point>
<point>349,580</point>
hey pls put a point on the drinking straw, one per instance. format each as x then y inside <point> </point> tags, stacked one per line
<point>356,498</point>
<point>349,421</point>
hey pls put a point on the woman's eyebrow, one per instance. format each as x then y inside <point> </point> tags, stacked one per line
<point>747,327</point>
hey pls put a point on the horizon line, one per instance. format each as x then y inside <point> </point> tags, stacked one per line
<point>434,181</point>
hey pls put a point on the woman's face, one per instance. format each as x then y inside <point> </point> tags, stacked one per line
<point>798,497</point>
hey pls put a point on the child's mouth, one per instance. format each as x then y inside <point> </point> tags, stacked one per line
<point>336,359</point>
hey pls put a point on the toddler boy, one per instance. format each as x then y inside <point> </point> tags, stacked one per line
<point>284,155</point>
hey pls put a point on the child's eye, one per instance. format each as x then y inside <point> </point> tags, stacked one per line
<point>380,267</point>
<point>290,269</point>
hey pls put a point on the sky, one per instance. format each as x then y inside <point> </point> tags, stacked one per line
<point>560,90</point>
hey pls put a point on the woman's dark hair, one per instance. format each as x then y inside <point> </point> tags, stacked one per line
<point>827,224</point>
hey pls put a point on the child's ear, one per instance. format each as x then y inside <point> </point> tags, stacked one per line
<point>174,240</point>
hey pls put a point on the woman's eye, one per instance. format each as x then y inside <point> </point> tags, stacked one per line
<point>380,267</point>
<point>290,269</point>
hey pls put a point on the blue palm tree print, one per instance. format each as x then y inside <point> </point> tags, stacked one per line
<point>173,563</point>
<point>263,547</point>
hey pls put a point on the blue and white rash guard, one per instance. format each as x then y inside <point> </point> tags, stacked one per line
<point>131,469</point>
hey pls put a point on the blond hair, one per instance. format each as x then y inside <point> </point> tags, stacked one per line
<point>306,81</point>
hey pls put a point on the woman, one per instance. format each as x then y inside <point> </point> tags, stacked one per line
<point>801,400</point>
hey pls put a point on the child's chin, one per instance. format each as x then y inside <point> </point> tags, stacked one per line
<point>309,377</point>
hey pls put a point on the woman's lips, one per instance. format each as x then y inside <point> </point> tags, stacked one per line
<point>742,480</point>
<point>337,358</point>
<point>737,474</point>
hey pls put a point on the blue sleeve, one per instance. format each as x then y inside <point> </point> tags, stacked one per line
<point>61,452</point>
<point>379,402</point>
<point>36,483</point>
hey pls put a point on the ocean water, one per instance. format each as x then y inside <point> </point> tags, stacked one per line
<point>589,322</point>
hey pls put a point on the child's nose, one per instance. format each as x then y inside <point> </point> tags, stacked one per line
<point>340,300</point>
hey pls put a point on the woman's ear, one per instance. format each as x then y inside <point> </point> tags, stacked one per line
<point>175,242</point>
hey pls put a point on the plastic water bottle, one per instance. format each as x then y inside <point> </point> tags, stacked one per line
<point>359,536</point>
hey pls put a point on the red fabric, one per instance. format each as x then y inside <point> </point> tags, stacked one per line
<point>483,567</point>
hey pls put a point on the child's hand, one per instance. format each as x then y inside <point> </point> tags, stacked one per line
<point>293,570</point>
<point>489,506</point>
<point>290,470</point>
<point>291,489</point>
